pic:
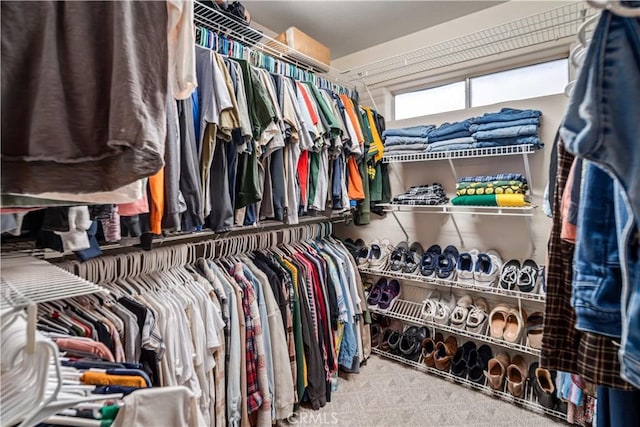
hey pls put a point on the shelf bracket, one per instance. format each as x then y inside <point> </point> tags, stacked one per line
<point>529,221</point>
<point>453,169</point>
<point>527,171</point>
<point>455,224</point>
<point>406,236</point>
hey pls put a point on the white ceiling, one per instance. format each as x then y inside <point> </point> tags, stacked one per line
<point>350,26</point>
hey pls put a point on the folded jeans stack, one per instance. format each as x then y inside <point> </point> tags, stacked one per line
<point>508,190</point>
<point>406,140</point>
<point>432,194</point>
<point>452,136</point>
<point>507,127</point>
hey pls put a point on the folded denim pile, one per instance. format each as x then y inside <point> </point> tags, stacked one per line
<point>426,195</point>
<point>506,127</point>
<point>406,140</point>
<point>505,189</point>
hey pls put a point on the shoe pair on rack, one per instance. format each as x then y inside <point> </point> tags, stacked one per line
<point>521,277</point>
<point>507,323</point>
<point>383,294</point>
<point>408,344</point>
<point>471,362</point>
<point>438,352</point>
<point>438,263</point>
<point>514,370</point>
<point>470,315</point>
<point>406,258</point>
<point>476,268</point>
<point>374,255</point>
<point>436,309</point>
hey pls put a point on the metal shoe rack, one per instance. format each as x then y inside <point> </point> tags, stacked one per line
<point>418,279</point>
<point>409,312</point>
<point>528,401</point>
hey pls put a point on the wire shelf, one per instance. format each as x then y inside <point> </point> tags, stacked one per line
<point>409,311</point>
<point>508,150</point>
<point>464,210</point>
<point>215,20</point>
<point>26,280</point>
<point>528,401</point>
<point>525,296</point>
<point>550,26</point>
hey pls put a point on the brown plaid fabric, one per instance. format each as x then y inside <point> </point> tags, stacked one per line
<point>564,348</point>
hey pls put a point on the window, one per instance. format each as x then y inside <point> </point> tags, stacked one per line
<point>543,79</point>
<point>430,101</point>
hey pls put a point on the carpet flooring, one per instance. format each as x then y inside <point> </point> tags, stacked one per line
<point>388,394</point>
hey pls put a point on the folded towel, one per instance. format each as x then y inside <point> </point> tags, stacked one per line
<point>502,200</point>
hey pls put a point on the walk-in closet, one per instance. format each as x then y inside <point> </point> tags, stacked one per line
<point>354,213</point>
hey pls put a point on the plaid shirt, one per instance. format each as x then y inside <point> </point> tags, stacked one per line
<point>254,397</point>
<point>565,348</point>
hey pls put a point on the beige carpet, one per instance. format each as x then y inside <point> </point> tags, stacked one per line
<point>386,393</point>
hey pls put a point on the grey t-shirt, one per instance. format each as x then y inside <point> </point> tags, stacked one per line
<point>84,90</point>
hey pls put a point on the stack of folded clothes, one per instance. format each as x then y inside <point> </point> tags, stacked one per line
<point>406,140</point>
<point>451,136</point>
<point>507,127</point>
<point>507,189</point>
<point>432,194</point>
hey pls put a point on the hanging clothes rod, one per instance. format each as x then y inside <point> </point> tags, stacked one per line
<point>108,269</point>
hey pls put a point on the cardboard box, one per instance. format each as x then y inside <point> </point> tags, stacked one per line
<point>296,39</point>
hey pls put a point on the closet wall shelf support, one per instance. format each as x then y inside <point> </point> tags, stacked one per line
<point>526,402</point>
<point>507,150</point>
<point>419,279</point>
<point>406,235</point>
<point>409,312</point>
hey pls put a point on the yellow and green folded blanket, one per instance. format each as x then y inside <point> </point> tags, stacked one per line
<point>491,187</point>
<point>502,200</point>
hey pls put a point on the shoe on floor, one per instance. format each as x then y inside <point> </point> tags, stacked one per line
<point>544,386</point>
<point>476,372</point>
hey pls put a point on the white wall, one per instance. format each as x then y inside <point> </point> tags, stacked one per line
<point>508,235</point>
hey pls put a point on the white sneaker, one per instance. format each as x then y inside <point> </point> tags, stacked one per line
<point>378,254</point>
<point>487,269</point>
<point>466,266</point>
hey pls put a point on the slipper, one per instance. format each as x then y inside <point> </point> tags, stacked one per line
<point>397,257</point>
<point>535,328</point>
<point>498,320</point>
<point>528,277</point>
<point>429,261</point>
<point>514,326</point>
<point>376,293</point>
<point>413,257</point>
<point>390,293</point>
<point>509,275</point>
